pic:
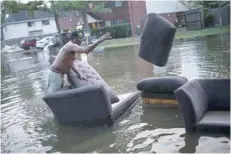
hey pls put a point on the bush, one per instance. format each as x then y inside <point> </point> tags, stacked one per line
<point>117,31</point>
<point>209,19</point>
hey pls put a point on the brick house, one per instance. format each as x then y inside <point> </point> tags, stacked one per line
<point>173,11</point>
<point>68,20</point>
<point>132,12</point>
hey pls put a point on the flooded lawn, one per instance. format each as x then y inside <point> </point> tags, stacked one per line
<point>28,124</point>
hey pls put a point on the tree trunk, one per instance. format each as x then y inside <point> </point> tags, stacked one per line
<point>59,29</point>
<point>85,24</point>
<point>57,24</point>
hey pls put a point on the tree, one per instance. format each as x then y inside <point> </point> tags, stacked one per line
<point>9,7</point>
<point>207,4</point>
<point>83,7</point>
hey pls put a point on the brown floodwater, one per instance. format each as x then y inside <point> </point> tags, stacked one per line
<point>28,125</point>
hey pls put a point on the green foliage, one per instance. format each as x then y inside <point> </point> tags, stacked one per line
<point>8,7</point>
<point>117,31</point>
<point>209,17</point>
<point>207,4</point>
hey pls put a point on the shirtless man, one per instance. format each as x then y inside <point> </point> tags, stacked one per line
<point>65,58</point>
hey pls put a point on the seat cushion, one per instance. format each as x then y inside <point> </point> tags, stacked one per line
<point>93,78</point>
<point>215,119</point>
<point>166,84</point>
<point>156,40</point>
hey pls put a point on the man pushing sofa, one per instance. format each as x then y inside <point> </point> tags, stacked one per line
<point>65,59</point>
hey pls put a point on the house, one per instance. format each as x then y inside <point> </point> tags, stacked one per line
<point>68,20</point>
<point>173,11</point>
<point>121,12</point>
<point>22,24</point>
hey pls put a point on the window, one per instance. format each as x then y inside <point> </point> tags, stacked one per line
<point>31,24</point>
<point>107,23</point>
<point>121,21</point>
<point>114,22</point>
<point>106,5</point>
<point>45,22</point>
<point>64,15</point>
<point>35,32</point>
<point>77,13</point>
<point>118,3</point>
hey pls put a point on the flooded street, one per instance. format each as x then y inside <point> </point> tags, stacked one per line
<point>28,125</point>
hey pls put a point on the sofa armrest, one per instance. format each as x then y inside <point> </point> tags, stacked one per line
<point>82,105</point>
<point>193,103</point>
<point>118,109</point>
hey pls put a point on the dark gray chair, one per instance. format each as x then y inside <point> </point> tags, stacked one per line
<point>88,105</point>
<point>205,104</point>
<point>159,91</point>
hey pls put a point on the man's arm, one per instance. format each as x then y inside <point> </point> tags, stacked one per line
<point>91,47</point>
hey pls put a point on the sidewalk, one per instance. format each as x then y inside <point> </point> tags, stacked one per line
<point>180,34</point>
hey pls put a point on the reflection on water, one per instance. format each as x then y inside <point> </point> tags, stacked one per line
<point>28,124</point>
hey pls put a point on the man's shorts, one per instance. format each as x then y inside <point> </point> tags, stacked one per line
<point>55,81</point>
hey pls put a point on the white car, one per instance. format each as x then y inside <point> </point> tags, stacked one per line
<point>43,42</point>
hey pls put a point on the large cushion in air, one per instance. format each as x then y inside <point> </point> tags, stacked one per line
<point>93,78</point>
<point>156,40</point>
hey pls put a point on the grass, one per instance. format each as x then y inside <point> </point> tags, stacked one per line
<point>179,35</point>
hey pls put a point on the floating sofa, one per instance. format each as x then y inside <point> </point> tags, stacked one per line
<point>205,104</point>
<point>159,91</point>
<point>88,102</point>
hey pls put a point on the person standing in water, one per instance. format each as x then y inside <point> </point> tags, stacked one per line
<point>65,58</point>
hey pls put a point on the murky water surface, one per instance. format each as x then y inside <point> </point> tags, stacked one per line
<point>28,124</point>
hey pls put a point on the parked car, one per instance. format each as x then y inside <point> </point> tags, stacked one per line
<point>27,43</point>
<point>43,42</point>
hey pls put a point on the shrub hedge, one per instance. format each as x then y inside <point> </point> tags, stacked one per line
<point>117,31</point>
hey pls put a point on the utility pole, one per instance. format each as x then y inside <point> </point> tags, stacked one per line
<point>220,17</point>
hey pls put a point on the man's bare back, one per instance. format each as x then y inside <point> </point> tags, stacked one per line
<point>64,59</point>
<point>70,51</point>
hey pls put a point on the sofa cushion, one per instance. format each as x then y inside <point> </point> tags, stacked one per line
<point>156,40</point>
<point>93,78</point>
<point>166,84</point>
<point>215,119</point>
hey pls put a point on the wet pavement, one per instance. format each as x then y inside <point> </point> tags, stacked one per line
<point>28,124</point>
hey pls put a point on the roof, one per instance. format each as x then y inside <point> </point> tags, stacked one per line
<point>91,18</point>
<point>70,21</point>
<point>23,16</point>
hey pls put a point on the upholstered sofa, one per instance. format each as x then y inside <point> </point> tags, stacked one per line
<point>205,104</point>
<point>88,105</point>
<point>88,102</point>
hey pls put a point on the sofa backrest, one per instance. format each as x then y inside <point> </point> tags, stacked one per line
<point>92,76</point>
<point>193,102</point>
<point>87,105</point>
<point>218,93</point>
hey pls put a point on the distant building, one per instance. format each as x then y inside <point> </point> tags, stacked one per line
<point>21,25</point>
<point>68,20</point>
<point>132,12</point>
<point>173,11</point>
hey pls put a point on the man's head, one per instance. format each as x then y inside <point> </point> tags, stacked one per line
<point>76,37</point>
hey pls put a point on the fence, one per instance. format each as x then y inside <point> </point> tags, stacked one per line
<point>194,19</point>
<point>225,15</point>
<point>17,41</point>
